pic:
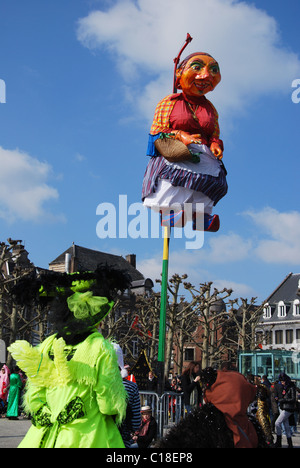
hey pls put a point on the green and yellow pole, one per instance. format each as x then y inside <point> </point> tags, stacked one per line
<point>163,310</point>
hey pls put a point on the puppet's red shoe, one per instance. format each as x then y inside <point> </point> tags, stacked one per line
<point>211,223</point>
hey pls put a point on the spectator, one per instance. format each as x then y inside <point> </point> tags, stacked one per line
<point>151,382</point>
<point>265,381</point>
<point>175,385</point>
<point>190,384</point>
<point>15,386</point>
<point>285,395</point>
<point>132,421</point>
<point>148,430</point>
<point>274,413</point>
<point>174,407</point>
<point>130,376</point>
<point>4,385</point>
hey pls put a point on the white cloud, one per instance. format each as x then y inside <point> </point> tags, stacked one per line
<point>23,187</point>
<point>282,244</point>
<point>228,248</point>
<point>144,37</point>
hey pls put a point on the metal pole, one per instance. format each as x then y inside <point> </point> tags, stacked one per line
<point>163,311</point>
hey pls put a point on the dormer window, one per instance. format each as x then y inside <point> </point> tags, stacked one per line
<point>281,309</point>
<point>296,308</point>
<point>267,311</point>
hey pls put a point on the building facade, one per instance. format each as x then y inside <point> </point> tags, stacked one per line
<point>277,334</point>
<point>279,326</point>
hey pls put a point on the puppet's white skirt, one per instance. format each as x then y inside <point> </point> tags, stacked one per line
<point>167,196</point>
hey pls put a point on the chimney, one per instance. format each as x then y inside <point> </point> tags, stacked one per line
<point>67,262</point>
<point>131,259</point>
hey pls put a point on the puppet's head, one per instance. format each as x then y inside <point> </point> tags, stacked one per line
<point>197,74</point>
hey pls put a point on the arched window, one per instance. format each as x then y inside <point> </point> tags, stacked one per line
<point>281,309</point>
<point>267,311</point>
<point>296,308</point>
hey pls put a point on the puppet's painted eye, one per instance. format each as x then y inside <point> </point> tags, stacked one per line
<point>215,68</point>
<point>196,66</point>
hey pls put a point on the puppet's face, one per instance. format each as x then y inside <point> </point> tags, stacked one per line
<point>200,75</point>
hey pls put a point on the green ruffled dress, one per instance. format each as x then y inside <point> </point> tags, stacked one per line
<point>75,394</point>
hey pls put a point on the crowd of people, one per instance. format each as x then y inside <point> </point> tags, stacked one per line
<point>280,400</point>
<point>275,406</point>
<point>76,376</point>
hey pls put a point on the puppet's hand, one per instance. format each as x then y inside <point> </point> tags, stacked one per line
<point>216,150</point>
<point>187,138</point>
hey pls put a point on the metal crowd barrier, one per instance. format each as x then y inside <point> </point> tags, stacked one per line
<point>167,409</point>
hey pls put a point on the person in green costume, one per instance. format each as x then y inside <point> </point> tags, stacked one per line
<point>15,386</point>
<point>74,392</point>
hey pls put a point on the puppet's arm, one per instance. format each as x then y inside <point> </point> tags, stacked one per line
<point>216,150</point>
<point>186,138</point>
<point>216,145</point>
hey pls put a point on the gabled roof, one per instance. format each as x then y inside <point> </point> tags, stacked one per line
<point>285,294</point>
<point>286,291</point>
<point>87,259</point>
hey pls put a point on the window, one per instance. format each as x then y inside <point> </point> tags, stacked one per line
<point>296,307</point>
<point>189,354</point>
<point>281,309</point>
<point>289,336</point>
<point>268,337</point>
<point>267,311</point>
<point>278,337</point>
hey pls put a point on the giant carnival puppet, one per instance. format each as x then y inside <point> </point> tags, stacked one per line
<point>185,146</point>
<point>75,394</point>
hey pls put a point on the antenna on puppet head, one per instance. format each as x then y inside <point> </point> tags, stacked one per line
<point>177,59</point>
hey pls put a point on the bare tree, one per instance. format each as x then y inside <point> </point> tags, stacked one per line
<point>211,316</point>
<point>134,321</point>
<point>184,317</point>
<point>245,318</point>
<point>17,321</point>
<point>179,314</point>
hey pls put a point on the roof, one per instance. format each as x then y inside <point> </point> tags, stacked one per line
<point>88,259</point>
<point>286,291</point>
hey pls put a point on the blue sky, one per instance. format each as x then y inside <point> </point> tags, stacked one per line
<point>83,78</point>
